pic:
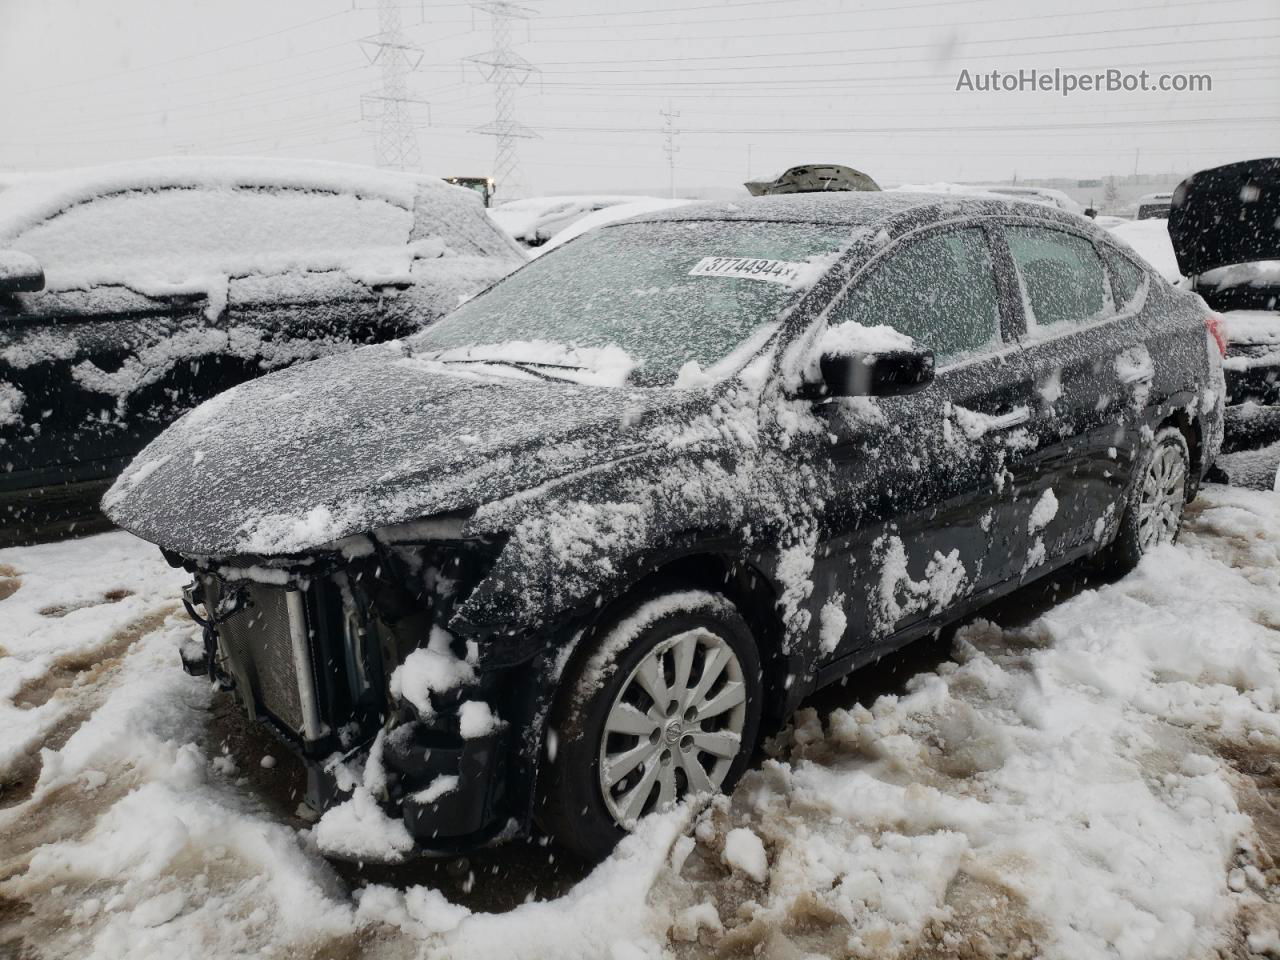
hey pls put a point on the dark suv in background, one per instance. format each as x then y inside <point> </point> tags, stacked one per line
<point>564,553</point>
<point>131,293</point>
<point>1224,224</point>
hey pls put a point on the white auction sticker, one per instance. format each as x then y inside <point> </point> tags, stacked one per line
<point>748,268</point>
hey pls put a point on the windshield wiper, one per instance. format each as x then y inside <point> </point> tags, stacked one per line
<point>524,365</point>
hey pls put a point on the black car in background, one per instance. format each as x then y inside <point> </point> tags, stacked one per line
<point>1224,224</point>
<point>563,555</point>
<point>129,294</point>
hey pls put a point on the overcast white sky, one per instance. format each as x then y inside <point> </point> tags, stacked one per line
<point>868,83</point>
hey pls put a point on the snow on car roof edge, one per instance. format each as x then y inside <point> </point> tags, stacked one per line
<point>40,195</point>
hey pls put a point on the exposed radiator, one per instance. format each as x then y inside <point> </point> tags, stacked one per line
<point>266,647</point>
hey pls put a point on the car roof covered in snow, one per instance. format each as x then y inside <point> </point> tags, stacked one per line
<point>857,208</point>
<point>38,196</point>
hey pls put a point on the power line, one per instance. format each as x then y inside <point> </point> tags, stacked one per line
<point>863,62</point>
<point>932,129</point>
<point>396,143</point>
<point>863,29</point>
<point>669,133</point>
<point>190,56</point>
<point>844,51</point>
<point>507,71</point>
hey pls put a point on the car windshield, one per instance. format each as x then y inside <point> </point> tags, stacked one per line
<point>649,298</point>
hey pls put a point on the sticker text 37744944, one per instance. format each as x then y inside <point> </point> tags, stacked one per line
<point>747,268</point>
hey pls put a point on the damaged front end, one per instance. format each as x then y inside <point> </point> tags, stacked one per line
<point>309,647</point>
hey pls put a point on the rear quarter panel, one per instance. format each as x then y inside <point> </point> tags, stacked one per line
<point>1188,377</point>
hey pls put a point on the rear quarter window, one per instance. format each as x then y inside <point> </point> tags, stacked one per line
<point>1063,280</point>
<point>1128,280</point>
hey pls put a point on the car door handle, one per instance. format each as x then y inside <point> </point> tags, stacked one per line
<point>1134,366</point>
<point>976,424</point>
<point>1137,378</point>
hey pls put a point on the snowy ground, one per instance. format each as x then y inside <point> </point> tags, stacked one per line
<point>1093,777</point>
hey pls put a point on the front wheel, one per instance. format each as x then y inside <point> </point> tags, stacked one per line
<point>666,706</point>
<point>1153,513</point>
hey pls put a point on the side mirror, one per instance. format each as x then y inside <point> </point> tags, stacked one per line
<point>19,273</point>
<point>888,374</point>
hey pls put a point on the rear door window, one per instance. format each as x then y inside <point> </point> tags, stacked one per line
<point>939,290</point>
<point>1063,280</point>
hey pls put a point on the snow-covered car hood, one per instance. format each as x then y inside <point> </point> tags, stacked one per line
<point>1227,215</point>
<point>345,445</point>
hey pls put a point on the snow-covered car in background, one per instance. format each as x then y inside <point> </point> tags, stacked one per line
<point>566,552</point>
<point>1042,195</point>
<point>606,215</point>
<point>1224,225</point>
<point>1152,206</point>
<point>535,220</point>
<point>1045,195</point>
<point>812,178</point>
<point>134,292</point>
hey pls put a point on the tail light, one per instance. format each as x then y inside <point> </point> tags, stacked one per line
<point>1213,323</point>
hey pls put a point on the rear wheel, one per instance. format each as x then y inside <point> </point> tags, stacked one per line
<point>1153,514</point>
<point>667,706</point>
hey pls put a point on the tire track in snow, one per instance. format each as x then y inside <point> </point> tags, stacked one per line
<point>77,682</point>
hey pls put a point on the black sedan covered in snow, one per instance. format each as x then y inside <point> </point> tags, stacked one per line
<point>130,293</point>
<point>561,557</point>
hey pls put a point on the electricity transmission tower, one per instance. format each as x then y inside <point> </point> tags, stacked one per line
<point>669,133</point>
<point>507,71</point>
<point>396,145</point>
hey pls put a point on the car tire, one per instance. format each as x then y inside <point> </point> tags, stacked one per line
<point>1154,508</point>
<point>615,753</point>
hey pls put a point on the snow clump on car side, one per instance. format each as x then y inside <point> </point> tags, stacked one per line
<point>11,401</point>
<point>433,669</point>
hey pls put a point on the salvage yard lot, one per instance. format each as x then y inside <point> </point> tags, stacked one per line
<point>1098,781</point>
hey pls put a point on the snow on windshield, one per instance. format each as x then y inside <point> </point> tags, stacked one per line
<point>637,287</point>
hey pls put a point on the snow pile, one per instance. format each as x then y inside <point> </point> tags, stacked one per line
<point>1065,790</point>
<point>744,852</point>
<point>360,829</point>
<point>120,834</point>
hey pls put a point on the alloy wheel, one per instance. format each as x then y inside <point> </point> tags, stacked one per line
<point>1163,497</point>
<point>674,727</point>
